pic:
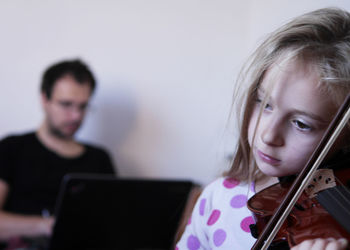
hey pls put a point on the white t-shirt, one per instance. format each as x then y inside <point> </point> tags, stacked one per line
<point>220,218</point>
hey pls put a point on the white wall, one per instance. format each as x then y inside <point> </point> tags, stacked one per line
<point>165,71</point>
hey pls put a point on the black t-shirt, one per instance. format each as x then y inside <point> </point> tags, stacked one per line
<point>34,173</point>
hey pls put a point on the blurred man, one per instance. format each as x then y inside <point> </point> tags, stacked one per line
<point>33,164</point>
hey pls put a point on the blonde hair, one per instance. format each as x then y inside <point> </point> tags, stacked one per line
<point>320,38</point>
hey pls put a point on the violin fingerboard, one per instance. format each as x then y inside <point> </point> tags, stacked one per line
<point>336,201</point>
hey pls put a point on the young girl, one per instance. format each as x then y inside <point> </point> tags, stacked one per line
<point>297,79</point>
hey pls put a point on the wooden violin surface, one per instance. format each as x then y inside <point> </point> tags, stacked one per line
<point>307,220</point>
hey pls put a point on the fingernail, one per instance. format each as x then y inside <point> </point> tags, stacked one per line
<point>343,242</point>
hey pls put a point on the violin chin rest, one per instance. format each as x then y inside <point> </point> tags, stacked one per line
<point>254,230</point>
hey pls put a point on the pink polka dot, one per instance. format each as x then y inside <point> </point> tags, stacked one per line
<point>230,183</point>
<point>213,217</point>
<point>176,248</point>
<point>202,206</point>
<point>219,237</point>
<point>246,222</point>
<point>239,201</point>
<point>193,242</point>
<point>189,220</point>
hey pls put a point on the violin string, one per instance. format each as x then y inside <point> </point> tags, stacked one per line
<point>341,204</point>
<point>337,204</point>
<point>346,189</point>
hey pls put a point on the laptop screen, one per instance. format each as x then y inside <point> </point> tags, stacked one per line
<point>104,212</point>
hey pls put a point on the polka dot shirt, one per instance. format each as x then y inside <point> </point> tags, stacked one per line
<point>220,218</point>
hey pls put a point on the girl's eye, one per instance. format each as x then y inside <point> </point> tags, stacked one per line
<point>267,106</point>
<point>301,125</point>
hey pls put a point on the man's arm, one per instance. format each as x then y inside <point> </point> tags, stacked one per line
<point>14,225</point>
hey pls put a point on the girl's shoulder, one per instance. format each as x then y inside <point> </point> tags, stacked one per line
<point>228,184</point>
<point>225,189</point>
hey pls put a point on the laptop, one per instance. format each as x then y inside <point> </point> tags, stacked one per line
<point>104,212</point>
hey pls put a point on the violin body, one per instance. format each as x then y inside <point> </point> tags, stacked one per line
<point>307,220</point>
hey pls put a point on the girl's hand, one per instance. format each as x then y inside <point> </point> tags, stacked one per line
<point>322,244</point>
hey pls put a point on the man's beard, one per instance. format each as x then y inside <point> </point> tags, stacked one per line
<point>59,134</point>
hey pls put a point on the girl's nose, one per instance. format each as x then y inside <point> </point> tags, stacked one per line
<point>272,134</point>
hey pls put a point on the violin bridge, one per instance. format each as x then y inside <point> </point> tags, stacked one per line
<point>321,180</point>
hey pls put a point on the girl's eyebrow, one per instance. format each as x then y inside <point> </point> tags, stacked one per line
<point>260,91</point>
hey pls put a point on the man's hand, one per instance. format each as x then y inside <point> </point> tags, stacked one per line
<point>45,226</point>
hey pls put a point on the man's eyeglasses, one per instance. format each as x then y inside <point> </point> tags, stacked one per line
<point>69,106</point>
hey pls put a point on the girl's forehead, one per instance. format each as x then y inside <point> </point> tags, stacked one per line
<point>283,71</point>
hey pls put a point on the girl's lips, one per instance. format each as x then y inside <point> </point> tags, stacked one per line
<point>268,159</point>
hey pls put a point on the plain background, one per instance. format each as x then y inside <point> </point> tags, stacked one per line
<point>165,69</point>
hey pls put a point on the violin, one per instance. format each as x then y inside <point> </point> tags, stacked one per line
<point>308,207</point>
<point>308,218</point>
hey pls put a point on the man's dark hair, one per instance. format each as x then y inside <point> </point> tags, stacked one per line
<point>74,68</point>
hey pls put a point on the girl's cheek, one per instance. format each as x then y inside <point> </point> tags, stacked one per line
<point>252,127</point>
<point>251,130</point>
<point>301,156</point>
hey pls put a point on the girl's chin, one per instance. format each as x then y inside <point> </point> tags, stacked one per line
<point>271,171</point>
<point>274,173</point>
